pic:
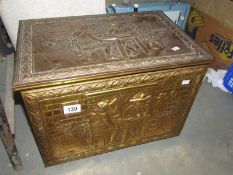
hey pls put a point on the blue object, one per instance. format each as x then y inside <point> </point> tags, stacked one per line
<point>177,12</point>
<point>228,79</point>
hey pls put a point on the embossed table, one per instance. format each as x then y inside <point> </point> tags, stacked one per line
<point>95,84</point>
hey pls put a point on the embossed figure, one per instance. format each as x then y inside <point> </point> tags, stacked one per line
<point>92,48</point>
<point>103,128</point>
<point>83,132</point>
<point>133,116</point>
<point>72,137</point>
<point>120,125</point>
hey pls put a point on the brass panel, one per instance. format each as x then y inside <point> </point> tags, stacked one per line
<point>115,113</point>
<point>61,50</point>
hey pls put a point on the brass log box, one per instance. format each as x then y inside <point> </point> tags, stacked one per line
<point>94,84</point>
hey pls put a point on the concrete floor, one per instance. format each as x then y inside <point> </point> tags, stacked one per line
<point>205,146</point>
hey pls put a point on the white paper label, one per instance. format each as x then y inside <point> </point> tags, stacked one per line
<point>69,109</point>
<point>185,82</point>
<point>175,48</point>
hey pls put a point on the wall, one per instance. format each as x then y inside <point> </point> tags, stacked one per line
<point>12,11</point>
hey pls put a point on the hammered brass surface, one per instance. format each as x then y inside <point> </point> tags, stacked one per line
<point>115,113</point>
<point>56,50</point>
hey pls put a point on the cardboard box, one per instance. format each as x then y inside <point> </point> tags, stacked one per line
<point>220,10</point>
<point>213,34</point>
<point>211,25</point>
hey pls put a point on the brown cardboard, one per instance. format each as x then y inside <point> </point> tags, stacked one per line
<point>213,36</point>
<point>219,40</point>
<point>220,10</point>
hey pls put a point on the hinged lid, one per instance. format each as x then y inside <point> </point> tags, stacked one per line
<point>72,49</point>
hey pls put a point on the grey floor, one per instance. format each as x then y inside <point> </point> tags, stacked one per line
<point>205,146</point>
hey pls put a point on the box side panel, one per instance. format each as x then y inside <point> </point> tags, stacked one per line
<point>110,114</point>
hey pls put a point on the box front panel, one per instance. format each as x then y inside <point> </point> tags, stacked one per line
<point>85,119</point>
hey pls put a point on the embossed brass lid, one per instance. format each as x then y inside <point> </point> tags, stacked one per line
<point>71,49</point>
